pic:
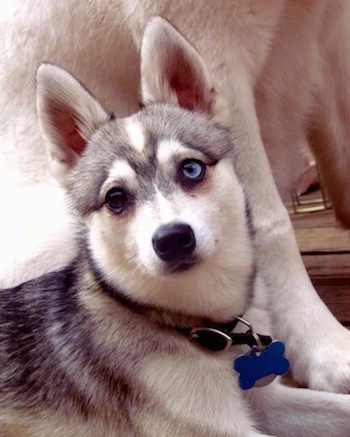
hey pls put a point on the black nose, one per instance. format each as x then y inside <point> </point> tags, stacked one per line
<point>173,241</point>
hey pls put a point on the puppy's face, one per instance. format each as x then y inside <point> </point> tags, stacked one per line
<point>165,212</point>
<point>163,207</point>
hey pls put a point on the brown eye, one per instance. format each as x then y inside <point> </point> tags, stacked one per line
<point>116,200</point>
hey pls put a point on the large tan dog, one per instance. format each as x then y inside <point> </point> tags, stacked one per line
<point>280,79</point>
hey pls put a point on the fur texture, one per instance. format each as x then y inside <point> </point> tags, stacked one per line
<point>97,348</point>
<point>277,76</point>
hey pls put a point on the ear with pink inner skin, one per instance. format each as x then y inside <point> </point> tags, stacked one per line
<point>68,116</point>
<point>172,71</point>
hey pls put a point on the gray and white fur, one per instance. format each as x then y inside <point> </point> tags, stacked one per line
<point>97,348</point>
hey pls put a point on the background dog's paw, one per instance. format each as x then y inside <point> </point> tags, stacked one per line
<point>331,372</point>
<point>328,365</point>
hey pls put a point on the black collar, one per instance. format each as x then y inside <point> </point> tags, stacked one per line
<point>216,338</point>
<point>220,338</point>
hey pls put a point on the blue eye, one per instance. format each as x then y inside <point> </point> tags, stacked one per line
<point>193,170</point>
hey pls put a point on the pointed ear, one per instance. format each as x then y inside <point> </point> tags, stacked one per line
<point>68,115</point>
<point>172,71</point>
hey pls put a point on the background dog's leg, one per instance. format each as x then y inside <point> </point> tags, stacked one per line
<point>329,135</point>
<point>291,412</point>
<point>317,345</point>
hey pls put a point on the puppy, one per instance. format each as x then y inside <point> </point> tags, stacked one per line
<point>280,70</point>
<point>116,343</point>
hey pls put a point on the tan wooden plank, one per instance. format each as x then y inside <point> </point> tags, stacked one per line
<point>311,220</point>
<point>332,266</point>
<point>323,239</point>
<point>325,249</point>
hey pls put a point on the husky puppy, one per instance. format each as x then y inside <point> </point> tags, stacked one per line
<point>281,66</point>
<point>101,347</point>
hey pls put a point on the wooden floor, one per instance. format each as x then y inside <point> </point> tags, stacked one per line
<point>325,249</point>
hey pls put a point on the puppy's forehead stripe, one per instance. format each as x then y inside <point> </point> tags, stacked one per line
<point>121,169</point>
<point>169,148</point>
<point>135,134</point>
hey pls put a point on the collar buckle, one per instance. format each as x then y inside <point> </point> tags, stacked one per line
<point>220,340</point>
<point>211,338</point>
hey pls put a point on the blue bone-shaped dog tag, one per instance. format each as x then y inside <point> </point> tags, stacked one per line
<point>261,366</point>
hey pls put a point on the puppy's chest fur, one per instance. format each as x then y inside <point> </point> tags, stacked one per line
<point>68,345</point>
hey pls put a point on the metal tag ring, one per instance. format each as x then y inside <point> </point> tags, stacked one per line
<point>252,332</point>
